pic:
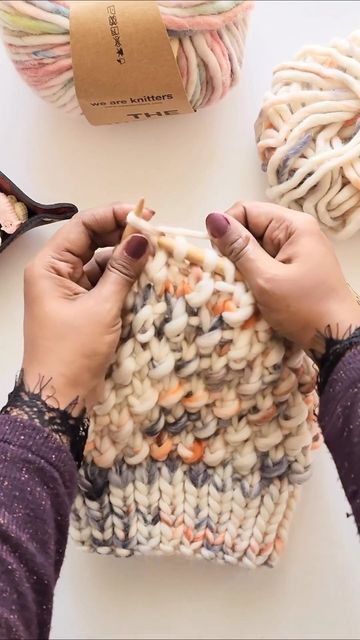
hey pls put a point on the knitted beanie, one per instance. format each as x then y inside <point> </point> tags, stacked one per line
<point>206,428</point>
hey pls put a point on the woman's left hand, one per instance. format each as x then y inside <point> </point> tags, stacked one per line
<point>73,302</point>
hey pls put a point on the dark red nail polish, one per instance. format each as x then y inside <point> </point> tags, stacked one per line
<point>136,247</point>
<point>217,224</point>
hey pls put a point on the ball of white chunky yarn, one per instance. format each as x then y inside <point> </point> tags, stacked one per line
<point>308,134</point>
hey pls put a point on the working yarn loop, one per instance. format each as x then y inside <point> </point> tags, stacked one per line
<point>308,134</point>
<point>207,38</point>
<point>206,427</point>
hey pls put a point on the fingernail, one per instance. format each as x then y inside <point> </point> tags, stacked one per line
<point>136,247</point>
<point>217,224</point>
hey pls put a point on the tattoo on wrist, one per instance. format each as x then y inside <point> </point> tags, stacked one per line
<point>40,405</point>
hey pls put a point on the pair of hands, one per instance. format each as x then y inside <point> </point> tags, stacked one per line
<point>74,291</point>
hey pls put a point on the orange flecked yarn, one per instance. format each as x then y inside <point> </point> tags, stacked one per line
<point>206,428</point>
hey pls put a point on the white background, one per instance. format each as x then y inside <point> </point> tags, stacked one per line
<point>186,166</point>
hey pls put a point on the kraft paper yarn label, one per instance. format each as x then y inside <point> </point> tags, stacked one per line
<point>124,67</point>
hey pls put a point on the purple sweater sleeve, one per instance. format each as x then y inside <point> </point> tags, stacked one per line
<point>340,423</point>
<point>37,487</point>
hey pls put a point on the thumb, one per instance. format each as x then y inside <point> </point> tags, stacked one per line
<point>237,243</point>
<point>123,268</point>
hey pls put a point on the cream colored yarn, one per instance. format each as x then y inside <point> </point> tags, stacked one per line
<point>12,214</point>
<point>308,134</point>
<point>206,427</point>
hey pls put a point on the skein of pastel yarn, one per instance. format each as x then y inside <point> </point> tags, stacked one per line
<point>308,134</point>
<point>207,38</point>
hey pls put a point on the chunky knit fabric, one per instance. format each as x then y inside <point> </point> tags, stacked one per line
<point>206,429</point>
<point>37,464</point>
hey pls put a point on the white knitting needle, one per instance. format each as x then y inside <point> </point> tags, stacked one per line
<point>193,254</point>
<point>139,213</point>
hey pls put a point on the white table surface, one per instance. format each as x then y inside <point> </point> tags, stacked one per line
<point>186,167</point>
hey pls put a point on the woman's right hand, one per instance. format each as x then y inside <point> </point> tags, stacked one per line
<point>291,268</point>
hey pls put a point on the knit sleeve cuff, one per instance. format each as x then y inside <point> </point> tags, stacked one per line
<point>341,392</point>
<point>32,405</point>
<point>28,437</point>
<point>335,349</point>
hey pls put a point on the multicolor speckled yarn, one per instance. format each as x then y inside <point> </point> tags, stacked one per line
<point>206,428</point>
<point>207,38</point>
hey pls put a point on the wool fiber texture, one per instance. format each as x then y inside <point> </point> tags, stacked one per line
<point>308,134</point>
<point>206,429</point>
<point>207,39</point>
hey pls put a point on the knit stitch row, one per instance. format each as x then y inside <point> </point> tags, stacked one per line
<point>206,427</point>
